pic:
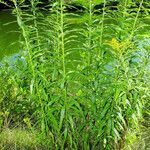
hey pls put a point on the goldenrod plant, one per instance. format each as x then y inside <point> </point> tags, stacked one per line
<point>82,81</point>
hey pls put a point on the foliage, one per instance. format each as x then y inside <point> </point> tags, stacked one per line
<point>84,80</point>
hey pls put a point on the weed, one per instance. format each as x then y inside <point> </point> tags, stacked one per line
<point>86,81</point>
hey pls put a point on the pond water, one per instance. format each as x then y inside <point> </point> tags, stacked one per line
<point>9,35</point>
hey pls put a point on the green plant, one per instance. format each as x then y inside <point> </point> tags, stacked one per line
<point>86,81</point>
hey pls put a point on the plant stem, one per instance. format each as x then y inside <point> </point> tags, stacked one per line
<point>100,55</point>
<point>63,56</point>
<point>135,21</point>
<point>90,32</point>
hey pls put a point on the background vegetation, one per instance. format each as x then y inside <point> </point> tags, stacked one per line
<point>82,81</point>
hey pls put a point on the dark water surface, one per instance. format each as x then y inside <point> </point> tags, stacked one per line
<point>9,35</point>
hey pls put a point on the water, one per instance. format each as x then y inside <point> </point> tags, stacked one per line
<point>9,35</point>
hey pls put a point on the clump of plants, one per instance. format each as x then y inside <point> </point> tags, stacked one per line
<point>83,85</point>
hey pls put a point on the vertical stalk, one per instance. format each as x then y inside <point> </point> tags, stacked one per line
<point>63,56</point>
<point>57,32</point>
<point>125,6</point>
<point>21,25</point>
<point>100,55</point>
<point>62,39</point>
<point>43,123</point>
<point>90,33</point>
<point>135,21</point>
<point>35,24</point>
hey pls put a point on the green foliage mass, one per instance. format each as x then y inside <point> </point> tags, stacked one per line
<point>84,2</point>
<point>83,80</point>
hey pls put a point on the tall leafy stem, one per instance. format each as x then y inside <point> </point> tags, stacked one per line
<point>33,5</point>
<point>136,19</point>
<point>63,49</point>
<point>35,55</point>
<point>25,35</point>
<point>100,54</point>
<point>64,111</point>
<point>89,33</point>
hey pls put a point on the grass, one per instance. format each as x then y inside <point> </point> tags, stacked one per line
<point>81,85</point>
<point>17,139</point>
<point>139,139</point>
